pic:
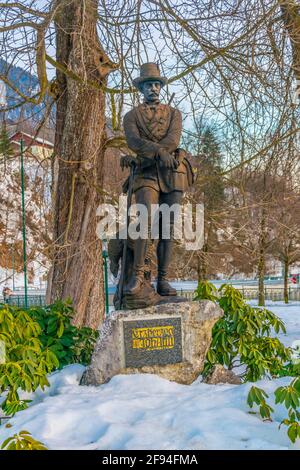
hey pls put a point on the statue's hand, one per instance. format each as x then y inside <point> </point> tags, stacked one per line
<point>127,161</point>
<point>167,160</point>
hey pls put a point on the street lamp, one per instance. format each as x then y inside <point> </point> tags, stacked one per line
<point>105,266</point>
<point>24,222</point>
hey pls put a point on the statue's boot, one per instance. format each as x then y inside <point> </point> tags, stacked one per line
<point>135,283</point>
<point>164,252</point>
<point>164,288</point>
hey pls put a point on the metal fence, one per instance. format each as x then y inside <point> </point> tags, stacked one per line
<point>188,294</point>
<point>271,293</point>
<point>32,300</point>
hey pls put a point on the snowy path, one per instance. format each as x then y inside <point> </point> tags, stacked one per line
<point>147,412</point>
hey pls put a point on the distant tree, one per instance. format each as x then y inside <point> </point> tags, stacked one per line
<point>6,149</point>
<point>262,223</point>
<point>286,244</point>
<point>208,189</point>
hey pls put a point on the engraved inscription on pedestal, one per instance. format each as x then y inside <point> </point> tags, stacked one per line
<point>151,342</point>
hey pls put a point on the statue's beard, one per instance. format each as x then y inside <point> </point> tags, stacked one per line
<point>152,98</point>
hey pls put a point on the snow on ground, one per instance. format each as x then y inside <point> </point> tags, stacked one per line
<point>147,412</point>
<point>290,314</point>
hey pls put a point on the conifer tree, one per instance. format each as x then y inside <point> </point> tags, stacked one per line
<point>213,196</point>
<point>208,189</point>
<point>6,149</point>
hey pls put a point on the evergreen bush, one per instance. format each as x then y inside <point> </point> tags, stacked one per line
<point>22,441</point>
<point>38,341</point>
<point>243,335</point>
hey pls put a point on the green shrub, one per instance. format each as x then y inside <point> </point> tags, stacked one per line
<point>289,370</point>
<point>22,441</point>
<point>37,341</point>
<point>242,335</point>
<point>27,362</point>
<point>289,396</point>
<point>69,343</point>
<point>258,396</point>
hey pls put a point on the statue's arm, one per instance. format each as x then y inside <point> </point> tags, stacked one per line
<point>171,141</point>
<point>143,147</point>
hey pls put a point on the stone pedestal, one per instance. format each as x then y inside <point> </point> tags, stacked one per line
<point>170,340</point>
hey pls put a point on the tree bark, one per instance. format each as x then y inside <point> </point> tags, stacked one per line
<point>261,261</point>
<point>261,283</point>
<point>286,277</point>
<point>291,17</point>
<point>202,264</point>
<point>79,152</point>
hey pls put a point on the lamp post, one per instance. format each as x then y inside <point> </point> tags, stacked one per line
<point>24,222</point>
<point>105,266</point>
<point>13,267</point>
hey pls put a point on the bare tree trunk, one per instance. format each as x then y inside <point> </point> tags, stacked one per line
<point>261,262</point>
<point>202,264</point>
<point>80,132</point>
<point>261,284</point>
<point>291,16</point>
<point>286,277</point>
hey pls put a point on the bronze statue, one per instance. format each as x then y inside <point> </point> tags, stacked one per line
<point>162,173</point>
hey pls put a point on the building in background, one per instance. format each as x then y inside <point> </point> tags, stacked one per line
<point>38,149</point>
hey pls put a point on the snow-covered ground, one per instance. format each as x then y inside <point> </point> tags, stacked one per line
<point>290,314</point>
<point>148,412</point>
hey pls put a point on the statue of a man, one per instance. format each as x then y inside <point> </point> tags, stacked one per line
<point>162,174</point>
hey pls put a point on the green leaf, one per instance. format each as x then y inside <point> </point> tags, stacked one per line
<point>293,432</point>
<point>61,329</point>
<point>7,441</point>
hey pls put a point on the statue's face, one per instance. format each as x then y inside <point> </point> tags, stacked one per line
<point>151,90</point>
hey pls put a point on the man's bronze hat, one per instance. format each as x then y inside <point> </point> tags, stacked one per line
<point>149,71</point>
